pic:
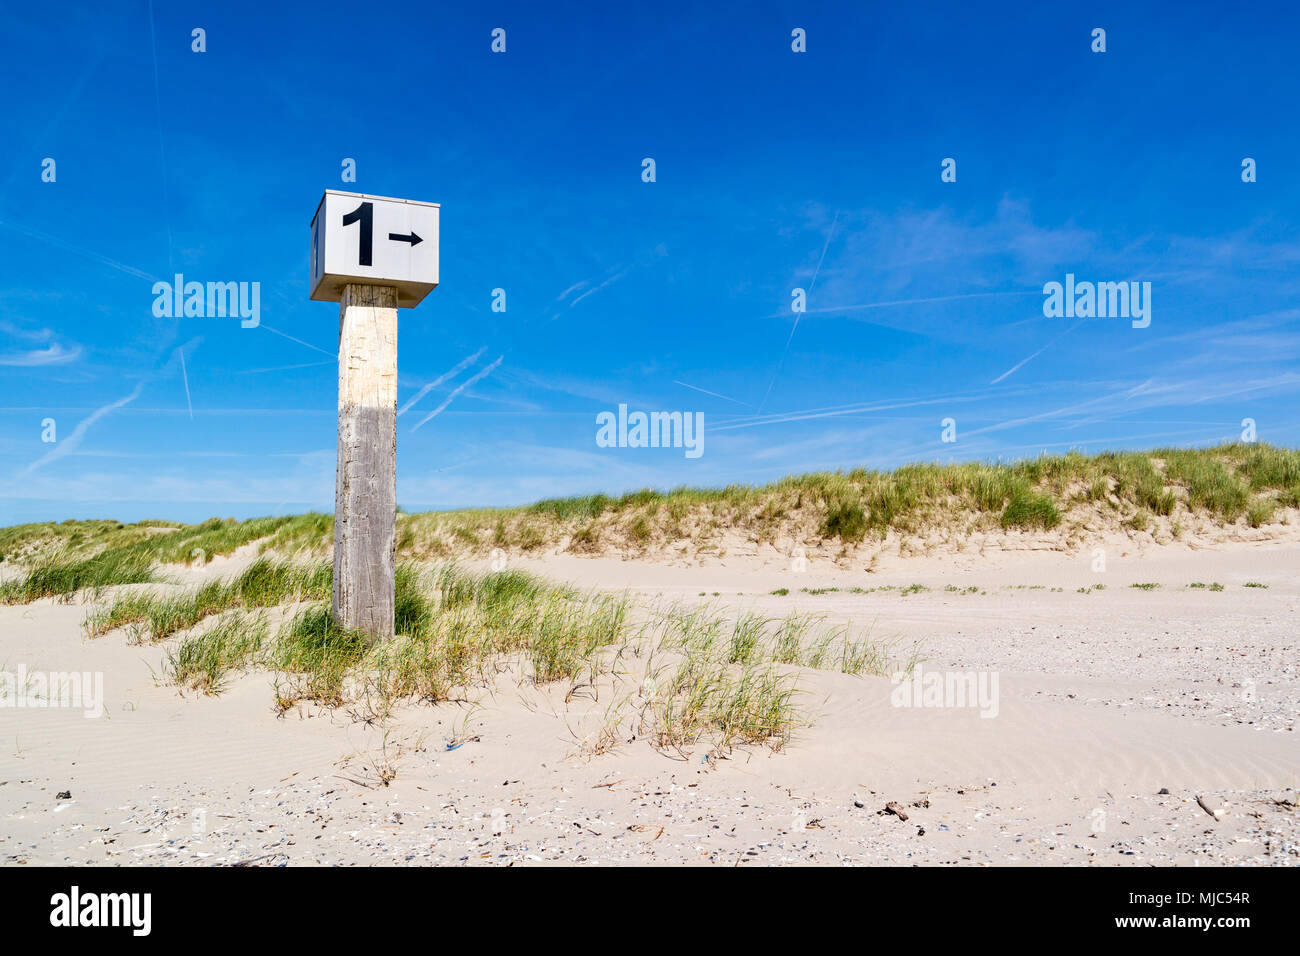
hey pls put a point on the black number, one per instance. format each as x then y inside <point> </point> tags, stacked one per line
<point>364,214</point>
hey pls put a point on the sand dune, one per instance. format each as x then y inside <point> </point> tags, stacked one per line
<point>1105,698</point>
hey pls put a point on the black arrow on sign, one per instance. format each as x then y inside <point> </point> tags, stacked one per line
<point>413,239</point>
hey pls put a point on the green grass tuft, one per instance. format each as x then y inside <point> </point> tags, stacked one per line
<point>1029,509</point>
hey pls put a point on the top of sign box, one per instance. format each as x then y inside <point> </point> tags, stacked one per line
<point>340,192</point>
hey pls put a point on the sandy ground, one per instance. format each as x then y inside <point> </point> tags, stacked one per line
<point>1117,709</point>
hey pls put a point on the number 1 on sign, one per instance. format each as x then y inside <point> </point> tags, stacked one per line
<point>364,214</point>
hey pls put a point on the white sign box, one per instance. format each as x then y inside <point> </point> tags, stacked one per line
<point>374,240</point>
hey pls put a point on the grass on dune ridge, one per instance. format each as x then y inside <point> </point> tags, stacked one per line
<point>696,673</point>
<point>1225,485</point>
<point>62,559</point>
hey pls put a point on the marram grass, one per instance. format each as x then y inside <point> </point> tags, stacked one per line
<point>722,680</point>
<point>1238,484</point>
<point>1223,485</point>
<point>707,677</point>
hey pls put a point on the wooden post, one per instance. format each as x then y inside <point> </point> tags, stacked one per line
<point>365,497</point>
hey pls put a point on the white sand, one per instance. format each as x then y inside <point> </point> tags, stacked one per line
<point>1105,698</point>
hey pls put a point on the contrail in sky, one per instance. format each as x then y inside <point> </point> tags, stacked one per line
<point>64,244</point>
<point>714,394</point>
<point>454,370</point>
<point>790,338</point>
<point>69,444</point>
<point>898,302</point>
<point>478,376</point>
<point>1024,361</point>
<point>185,377</point>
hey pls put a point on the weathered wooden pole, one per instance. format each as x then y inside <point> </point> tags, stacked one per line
<point>365,506</point>
<point>372,255</point>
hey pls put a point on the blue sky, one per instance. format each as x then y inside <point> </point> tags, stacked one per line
<point>774,170</point>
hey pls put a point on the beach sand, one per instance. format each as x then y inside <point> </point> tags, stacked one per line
<point>1117,709</point>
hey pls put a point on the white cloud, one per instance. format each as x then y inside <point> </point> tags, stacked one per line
<point>52,354</point>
